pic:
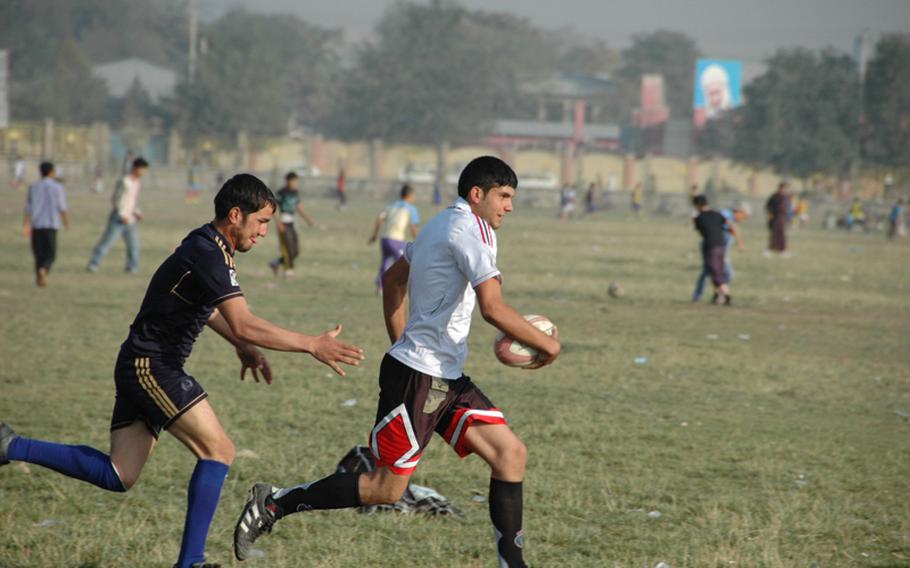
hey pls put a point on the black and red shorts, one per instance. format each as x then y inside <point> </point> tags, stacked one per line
<point>413,405</point>
<point>151,390</point>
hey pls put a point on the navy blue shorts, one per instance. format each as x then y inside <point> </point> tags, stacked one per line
<point>154,391</point>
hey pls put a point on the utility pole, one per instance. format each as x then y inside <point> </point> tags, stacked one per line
<point>193,8</point>
<point>860,53</point>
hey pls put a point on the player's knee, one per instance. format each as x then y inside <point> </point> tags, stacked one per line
<point>510,457</point>
<point>222,451</point>
<point>126,482</point>
<point>516,454</point>
<point>382,491</point>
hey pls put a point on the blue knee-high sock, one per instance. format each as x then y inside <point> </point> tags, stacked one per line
<point>80,462</point>
<point>202,500</point>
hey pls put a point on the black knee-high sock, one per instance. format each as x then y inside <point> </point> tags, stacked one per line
<point>337,491</point>
<point>505,512</point>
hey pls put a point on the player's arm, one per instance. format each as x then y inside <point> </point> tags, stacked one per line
<point>395,296</point>
<point>305,215</point>
<point>736,235</point>
<point>254,330</point>
<point>376,226</point>
<point>502,316</point>
<point>415,228</point>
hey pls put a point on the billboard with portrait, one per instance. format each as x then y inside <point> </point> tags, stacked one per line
<point>718,87</point>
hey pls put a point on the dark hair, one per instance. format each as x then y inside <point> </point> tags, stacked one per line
<point>245,191</point>
<point>406,190</point>
<point>46,168</point>
<point>486,172</point>
<point>699,201</point>
<point>140,163</point>
<point>290,175</point>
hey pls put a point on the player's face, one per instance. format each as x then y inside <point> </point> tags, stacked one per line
<point>251,228</point>
<point>292,184</point>
<point>495,205</point>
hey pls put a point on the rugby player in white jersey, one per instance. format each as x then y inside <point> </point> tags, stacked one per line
<point>443,274</point>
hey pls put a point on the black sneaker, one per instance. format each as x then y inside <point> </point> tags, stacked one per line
<point>255,520</point>
<point>203,565</point>
<point>7,435</point>
<point>728,300</point>
<point>715,297</point>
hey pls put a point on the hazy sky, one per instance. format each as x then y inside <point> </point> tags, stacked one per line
<point>749,30</point>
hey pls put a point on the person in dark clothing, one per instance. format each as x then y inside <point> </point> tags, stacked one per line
<point>713,228</point>
<point>289,206</point>
<point>777,208</point>
<point>45,211</point>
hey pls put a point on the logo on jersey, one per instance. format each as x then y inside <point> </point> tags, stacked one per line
<point>520,539</point>
<point>233,274</point>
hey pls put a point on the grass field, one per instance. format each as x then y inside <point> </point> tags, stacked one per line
<point>770,434</point>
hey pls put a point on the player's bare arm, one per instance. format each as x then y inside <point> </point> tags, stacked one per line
<point>305,215</point>
<point>502,316</point>
<point>250,356</point>
<point>27,225</point>
<point>736,235</point>
<point>376,226</point>
<point>394,298</point>
<point>252,329</point>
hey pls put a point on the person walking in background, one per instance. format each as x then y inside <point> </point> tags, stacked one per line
<point>394,224</point>
<point>45,210</point>
<point>713,228</point>
<point>567,198</point>
<point>341,189</point>
<point>636,200</point>
<point>732,215</point>
<point>124,219</point>
<point>288,239</point>
<point>857,215</point>
<point>777,208</point>
<point>896,219</point>
<point>590,197</point>
<point>193,189</point>
<point>18,172</point>
<point>802,210</point>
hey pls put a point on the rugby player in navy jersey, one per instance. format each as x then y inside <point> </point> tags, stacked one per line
<point>196,286</point>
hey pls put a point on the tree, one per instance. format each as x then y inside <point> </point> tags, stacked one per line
<point>670,54</point>
<point>887,92</point>
<point>259,71</point>
<point>60,36</point>
<point>438,73</point>
<point>594,58</point>
<point>800,116</point>
<point>66,90</point>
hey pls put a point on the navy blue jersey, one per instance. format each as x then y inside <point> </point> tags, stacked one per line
<point>182,295</point>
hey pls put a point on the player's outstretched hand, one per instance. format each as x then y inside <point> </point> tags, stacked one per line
<point>330,351</point>
<point>548,354</point>
<point>252,358</point>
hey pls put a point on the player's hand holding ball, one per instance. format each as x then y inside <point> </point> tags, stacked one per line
<point>513,353</point>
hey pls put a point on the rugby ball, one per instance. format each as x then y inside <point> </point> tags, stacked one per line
<point>615,290</point>
<point>516,354</point>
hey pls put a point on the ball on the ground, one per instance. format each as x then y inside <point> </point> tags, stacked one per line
<point>615,290</point>
<point>512,352</point>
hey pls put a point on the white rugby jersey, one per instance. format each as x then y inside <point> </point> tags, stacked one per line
<point>453,254</point>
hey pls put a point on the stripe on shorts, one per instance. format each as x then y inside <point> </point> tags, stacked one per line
<point>151,386</point>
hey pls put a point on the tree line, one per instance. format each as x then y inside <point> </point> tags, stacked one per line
<point>436,72</point>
